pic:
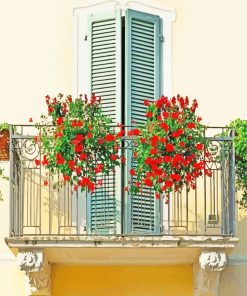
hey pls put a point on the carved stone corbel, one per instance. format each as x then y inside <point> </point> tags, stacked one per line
<point>37,271</point>
<point>207,273</point>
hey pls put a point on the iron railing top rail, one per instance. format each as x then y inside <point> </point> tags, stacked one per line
<point>217,137</point>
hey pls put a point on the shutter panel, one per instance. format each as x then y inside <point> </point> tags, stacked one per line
<point>104,205</point>
<point>142,80</point>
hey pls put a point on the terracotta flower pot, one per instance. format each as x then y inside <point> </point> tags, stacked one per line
<point>4,145</point>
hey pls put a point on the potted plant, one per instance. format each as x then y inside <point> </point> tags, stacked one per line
<point>170,148</point>
<point>4,141</point>
<point>78,141</point>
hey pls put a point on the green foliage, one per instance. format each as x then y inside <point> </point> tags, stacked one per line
<point>2,176</point>
<point>4,126</point>
<point>240,143</point>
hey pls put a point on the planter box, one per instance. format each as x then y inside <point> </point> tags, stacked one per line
<point>4,145</point>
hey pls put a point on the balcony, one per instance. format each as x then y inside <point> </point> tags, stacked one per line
<point>51,216</point>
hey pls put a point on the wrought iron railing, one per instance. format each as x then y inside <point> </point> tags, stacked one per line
<point>36,209</point>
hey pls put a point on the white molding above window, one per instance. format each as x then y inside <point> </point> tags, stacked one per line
<point>81,14</point>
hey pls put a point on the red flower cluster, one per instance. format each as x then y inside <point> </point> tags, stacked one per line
<point>173,139</point>
<point>81,143</point>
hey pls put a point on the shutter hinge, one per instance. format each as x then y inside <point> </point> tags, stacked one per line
<point>162,38</point>
<point>85,38</point>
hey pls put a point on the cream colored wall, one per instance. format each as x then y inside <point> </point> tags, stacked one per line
<point>37,57</point>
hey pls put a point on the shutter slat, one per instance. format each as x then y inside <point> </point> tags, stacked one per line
<point>136,74</point>
<point>142,22</point>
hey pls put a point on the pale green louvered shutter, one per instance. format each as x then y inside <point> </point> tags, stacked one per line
<point>104,205</point>
<point>142,80</point>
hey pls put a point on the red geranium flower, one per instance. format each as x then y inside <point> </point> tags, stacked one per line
<point>78,148</point>
<point>157,195</point>
<point>169,147</point>
<point>60,159</point>
<point>167,158</point>
<point>84,181</point>
<point>71,164</point>
<point>78,170</point>
<point>113,157</point>
<point>164,126</point>
<point>199,146</point>
<point>154,141</point>
<point>83,156</point>
<point>191,125</point>
<point>123,159</point>
<point>165,115</point>
<point>89,135</point>
<point>175,177</point>
<point>168,183</point>
<point>109,138</point>
<point>146,102</point>
<point>149,114</point>
<point>153,151</point>
<point>175,115</point>
<point>91,187</point>
<point>79,137</point>
<point>66,178</point>
<point>59,120</point>
<point>132,172</point>
<point>45,160</point>
<point>136,132</point>
<point>148,182</point>
<point>99,168</point>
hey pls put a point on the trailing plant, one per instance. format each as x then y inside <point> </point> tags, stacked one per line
<point>2,176</point>
<point>240,144</point>
<point>80,144</point>
<point>170,148</point>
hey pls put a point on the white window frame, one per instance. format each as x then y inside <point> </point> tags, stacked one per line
<point>81,68</point>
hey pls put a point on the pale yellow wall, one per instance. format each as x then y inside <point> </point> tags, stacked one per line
<point>37,57</point>
<point>209,54</point>
<point>12,282</point>
<point>122,280</point>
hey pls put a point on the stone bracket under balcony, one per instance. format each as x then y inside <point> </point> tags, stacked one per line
<point>37,271</point>
<point>207,270</point>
